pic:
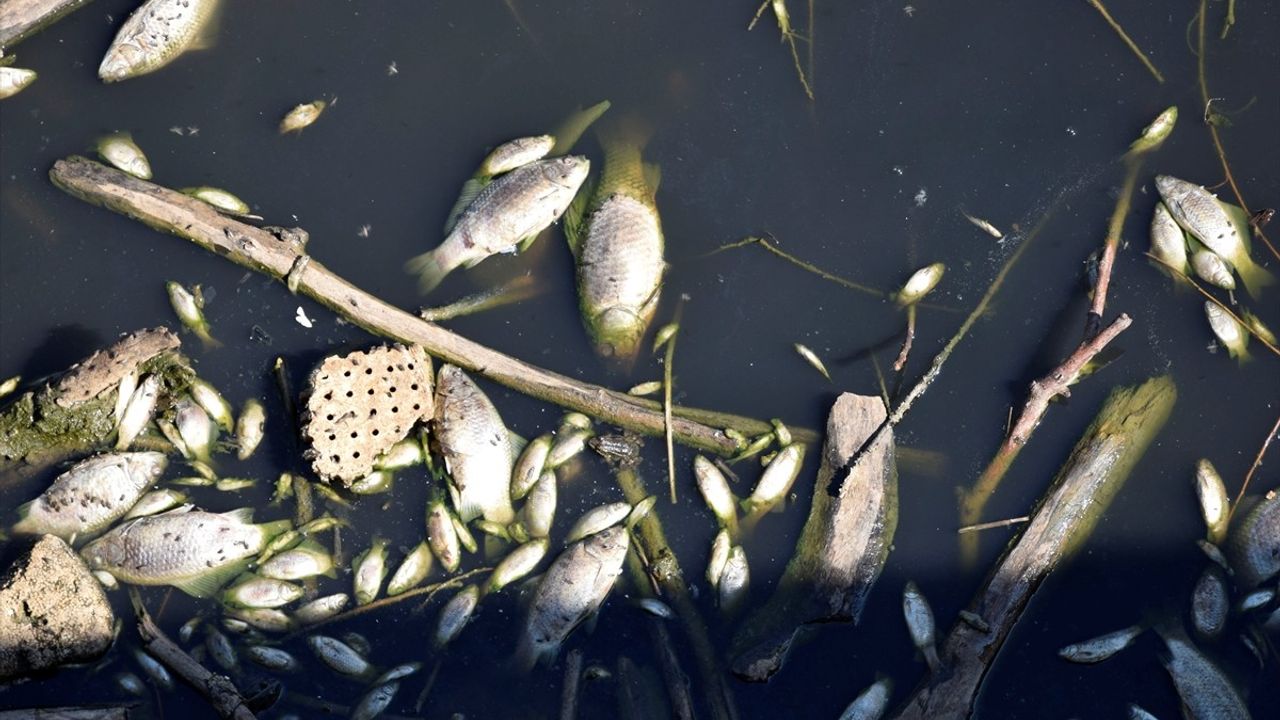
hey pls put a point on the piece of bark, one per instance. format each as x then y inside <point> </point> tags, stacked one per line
<point>1060,525</point>
<point>572,679</point>
<point>20,19</point>
<point>843,546</point>
<point>114,712</point>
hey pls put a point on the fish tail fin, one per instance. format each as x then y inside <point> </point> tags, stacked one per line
<point>431,267</point>
<point>1254,276</point>
<point>572,127</point>
<point>207,339</point>
<point>629,131</point>
<point>26,525</point>
<point>529,653</point>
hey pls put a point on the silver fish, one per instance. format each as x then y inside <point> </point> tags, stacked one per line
<point>1212,269</point>
<point>569,442</point>
<point>302,116</point>
<point>656,608</point>
<point>261,592</point>
<point>1205,217</point>
<point>573,588</point>
<point>514,153</point>
<point>196,429</point>
<point>1228,330</point>
<point>190,310</point>
<point>398,672</point>
<point>265,619</point>
<point>195,551</point>
<point>1167,241</point>
<point>130,683</point>
<point>368,571</point>
<point>512,209</point>
<point>250,428</point>
<point>597,519</point>
<point>776,480</point>
<point>919,616</point>
<point>156,502</point>
<point>1097,649</point>
<point>442,536</point>
<point>1205,690</point>
<point>154,35</point>
<point>720,548</point>
<point>307,559</point>
<point>92,495</point>
<point>271,658</point>
<point>220,649</point>
<point>921,283</point>
<point>1255,600</point>
<point>1137,713</point>
<point>540,506</point>
<point>1214,504</point>
<point>220,199</point>
<point>517,564</point>
<point>716,493</point>
<point>138,412</point>
<point>375,701</point>
<point>476,446</point>
<point>14,80</point>
<point>339,656</point>
<point>1254,546</point>
<point>529,466</point>
<point>870,703</point>
<point>404,454</point>
<point>413,569</point>
<point>123,153</point>
<point>154,670</point>
<point>455,615</point>
<point>208,397</point>
<point>734,581</point>
<point>322,608</point>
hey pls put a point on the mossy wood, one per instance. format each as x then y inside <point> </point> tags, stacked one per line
<point>20,19</point>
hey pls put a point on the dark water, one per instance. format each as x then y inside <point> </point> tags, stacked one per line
<point>1008,110</point>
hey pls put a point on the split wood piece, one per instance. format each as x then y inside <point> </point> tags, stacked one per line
<point>569,691</point>
<point>261,251</point>
<point>221,693</point>
<point>20,19</point>
<point>842,548</point>
<point>1060,525</point>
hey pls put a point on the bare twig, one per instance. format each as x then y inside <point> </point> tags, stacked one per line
<point>993,524</point>
<point>1229,20</point>
<point>1179,275</point>
<point>569,691</point>
<point>803,265</point>
<point>1097,309</point>
<point>1257,462</point>
<point>1102,9</point>
<point>901,362</point>
<point>429,590</point>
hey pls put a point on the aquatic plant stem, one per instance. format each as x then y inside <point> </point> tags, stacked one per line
<point>1201,51</point>
<point>1057,383</point>
<point>803,265</point>
<point>1257,462</point>
<point>666,573</point>
<point>1102,9</point>
<point>1179,275</point>
<point>1093,322</point>
<point>901,362</point>
<point>668,360</point>
<point>1229,20</point>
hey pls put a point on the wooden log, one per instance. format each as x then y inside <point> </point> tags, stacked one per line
<point>1063,521</point>
<point>20,19</point>
<point>842,548</point>
<point>112,712</point>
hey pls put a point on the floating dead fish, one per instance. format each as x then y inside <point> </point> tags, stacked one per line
<point>1097,649</point>
<point>153,669</point>
<point>405,454</point>
<point>1137,713</point>
<point>254,591</point>
<point>476,446</point>
<point>540,506</point>
<point>156,34</point>
<point>368,570</point>
<point>640,511</point>
<point>322,608</point>
<point>398,672</point>
<point>138,411</point>
<point>776,480</point>
<point>1252,321</point>
<point>1168,244</point>
<point>130,683</point>
<point>195,428</point>
<point>1214,504</point>
<point>517,564</point>
<point>14,80</point>
<point>375,701</point>
<point>339,656</point>
<point>870,703</point>
<point>646,388</point>
<point>1228,330</point>
<point>919,616</point>
<point>455,615</point>
<point>598,519</point>
<point>1212,269</point>
<point>208,397</point>
<point>529,466</point>
<point>442,535</point>
<point>1208,220</point>
<point>716,493</point>
<point>920,284</point>
<point>250,428</point>
<point>656,607</point>
<point>92,495</point>
<point>378,481</point>
<point>1254,544</point>
<point>302,116</point>
<point>123,153</point>
<point>220,649</point>
<point>415,568</point>
<point>664,335</point>
<point>812,358</point>
<point>271,658</point>
<point>1205,690</point>
<point>1255,600</point>
<point>1210,604</point>
<point>1155,133</point>
<point>734,581</point>
<point>1212,552</point>
<point>265,619</point>
<point>11,383</point>
<point>720,548</point>
<point>220,199</point>
<point>308,559</point>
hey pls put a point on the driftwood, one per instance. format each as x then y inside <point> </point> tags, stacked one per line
<point>673,675</point>
<point>572,679</point>
<point>842,548</point>
<point>1084,488</point>
<point>20,19</point>
<point>221,693</point>
<point>284,258</point>
<point>113,712</point>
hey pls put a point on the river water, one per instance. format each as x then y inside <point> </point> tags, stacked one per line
<point>1015,112</point>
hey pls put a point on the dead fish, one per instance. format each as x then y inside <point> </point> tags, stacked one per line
<point>1255,600</point>
<point>529,466</point>
<point>322,608</point>
<point>156,34</point>
<point>656,608</point>
<point>573,588</point>
<point>250,428</point>
<point>597,519</point>
<point>91,496</point>
<point>1137,713</point>
<point>265,619</point>
<point>368,571</point>
<point>14,80</point>
<point>569,442</point>
<point>1097,649</point>
<point>272,658</point>
<point>138,412</point>
<point>442,536</point>
<point>870,703</point>
<point>405,454</point>
<point>158,673</point>
<point>195,428</point>
<point>476,446</point>
<point>220,199</point>
<point>195,551</point>
<point>1167,241</point>
<point>189,308</point>
<point>378,481</point>
<point>398,672</point>
<point>220,649</point>
<point>734,581</point>
<point>302,116</point>
<point>1228,330</point>
<point>1205,690</point>
<point>11,383</point>
<point>1254,545</point>
<point>413,570</point>
<point>511,210</point>
<point>616,236</point>
<point>919,616</point>
<point>517,564</point>
<point>254,591</point>
<point>1255,325</point>
<point>540,506</point>
<point>455,615</point>
<point>375,701</point>
<point>1212,269</point>
<point>812,358</point>
<point>984,226</point>
<point>308,559</point>
<point>921,283</point>
<point>514,153</point>
<point>339,656</point>
<point>645,388</point>
<point>1206,218</point>
<point>716,493</point>
<point>776,480</point>
<point>130,683</point>
<point>123,153</point>
<point>208,397</point>
<point>1214,504</point>
<point>1155,133</point>
<point>1210,604</point>
<point>720,548</point>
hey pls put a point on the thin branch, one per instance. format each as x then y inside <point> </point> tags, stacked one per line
<point>901,362</point>
<point>1179,275</point>
<point>803,265</point>
<point>1102,9</point>
<point>1133,164</point>
<point>429,590</point>
<point>668,361</point>
<point>993,524</point>
<point>1257,462</point>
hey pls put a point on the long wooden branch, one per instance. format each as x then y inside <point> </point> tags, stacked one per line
<point>259,250</point>
<point>1066,516</point>
<point>20,19</point>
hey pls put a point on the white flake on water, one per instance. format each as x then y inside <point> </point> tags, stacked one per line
<point>922,197</point>
<point>302,318</point>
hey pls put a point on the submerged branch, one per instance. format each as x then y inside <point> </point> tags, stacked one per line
<point>1097,309</point>
<point>803,265</point>
<point>1257,462</point>
<point>1179,275</point>
<point>1102,9</point>
<point>668,360</point>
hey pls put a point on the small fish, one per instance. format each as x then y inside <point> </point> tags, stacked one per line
<point>1210,604</point>
<point>10,384</point>
<point>208,397</point>
<point>14,80</point>
<point>919,616</point>
<point>1212,269</point>
<point>517,564</point>
<point>254,591</point>
<point>302,116</point>
<point>640,511</point>
<point>155,35</point>
<point>368,570</point>
<point>528,468</point>
<point>572,589</point>
<point>308,559</point>
<point>540,506</point>
<point>1256,325</point>
<point>415,568</point>
<point>195,428</point>
<point>720,548</point>
<point>646,388</point>
<point>233,484</point>
<point>598,519</point>
<point>220,649</point>
<point>812,358</point>
<point>92,495</point>
<point>511,210</point>
<point>375,701</point>
<point>497,530</point>
<point>265,619</point>
<point>156,502</point>
<point>776,480</point>
<point>1206,218</point>
<point>781,432</point>
<point>358,642</point>
<point>1254,545</point>
<point>442,536</point>
<point>984,226</point>
<point>1255,600</point>
<point>476,446</point>
<point>158,673</point>
<point>465,538</point>
<point>190,310</point>
<point>398,672</point>
<point>1155,133</point>
<point>870,703</point>
<point>514,153</point>
<point>272,658</point>
<point>124,391</point>
<point>568,444</point>
<point>1212,552</point>
<point>138,412</point>
<point>130,683</point>
<point>656,608</point>
<point>322,608</point>
<point>616,237</point>
<point>123,153</point>
<point>1095,650</point>
<point>403,455</point>
<point>1214,504</point>
<point>455,615</point>
<point>188,629</point>
<point>195,551</point>
<point>1167,241</point>
<point>1228,330</point>
<point>664,335</point>
<point>920,284</point>
<point>716,493</point>
<point>250,428</point>
<point>734,581</point>
<point>1137,713</point>
<point>220,199</point>
<point>1205,690</point>
<point>339,656</point>
<point>106,579</point>
<point>236,625</point>
<point>378,481</point>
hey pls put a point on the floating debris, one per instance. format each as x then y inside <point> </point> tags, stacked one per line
<point>302,116</point>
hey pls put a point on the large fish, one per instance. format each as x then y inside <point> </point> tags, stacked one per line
<point>1254,545</point>
<point>570,591</point>
<point>196,551</point>
<point>476,446</point>
<point>616,237</point>
<point>155,34</point>
<point>1209,220</point>
<point>90,496</point>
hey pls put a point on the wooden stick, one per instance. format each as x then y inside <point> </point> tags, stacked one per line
<point>994,524</point>
<point>1057,383</point>
<point>569,691</point>
<point>1102,9</point>
<point>1097,309</point>
<point>259,250</point>
<point>901,362</point>
<point>1257,462</point>
<point>217,689</point>
<point>1060,525</point>
<point>20,19</point>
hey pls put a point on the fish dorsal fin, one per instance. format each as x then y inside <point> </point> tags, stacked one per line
<point>240,515</point>
<point>208,583</point>
<point>575,216</point>
<point>652,176</point>
<point>470,189</point>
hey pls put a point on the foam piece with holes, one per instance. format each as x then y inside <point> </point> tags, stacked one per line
<point>362,403</point>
